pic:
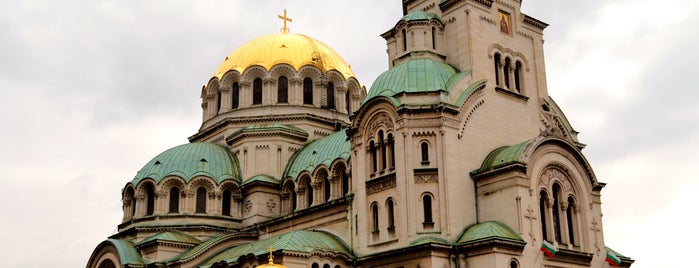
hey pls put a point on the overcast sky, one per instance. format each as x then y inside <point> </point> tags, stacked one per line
<point>92,90</point>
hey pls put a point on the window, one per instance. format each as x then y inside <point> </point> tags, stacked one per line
<point>309,195</point>
<point>347,102</point>
<point>427,209</point>
<point>556,211</point>
<point>389,210</point>
<point>150,202</point>
<point>518,73</point>
<point>372,151</point>
<point>174,200</point>
<point>226,203</point>
<point>571,222</point>
<point>326,188</point>
<point>131,198</point>
<point>345,183</point>
<point>391,152</point>
<point>434,36</point>
<point>405,40</point>
<point>496,63</point>
<point>375,217</point>
<point>282,90</point>
<point>330,92</point>
<point>307,91</point>
<point>513,264</point>
<point>201,200</point>
<point>382,144</point>
<point>315,265</point>
<point>257,91</point>
<point>235,95</point>
<point>218,101</point>
<point>425,152</point>
<point>542,213</point>
<point>107,264</point>
<point>506,71</point>
<point>326,265</point>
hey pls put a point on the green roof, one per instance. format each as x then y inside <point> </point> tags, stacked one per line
<point>262,178</point>
<point>428,240</point>
<point>300,241</point>
<point>503,156</point>
<point>171,236</point>
<point>190,160</point>
<point>415,75</point>
<point>269,128</point>
<point>486,231</point>
<point>421,15</point>
<point>127,252</point>
<point>319,152</point>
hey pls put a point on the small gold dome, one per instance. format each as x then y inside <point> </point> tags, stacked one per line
<point>296,50</point>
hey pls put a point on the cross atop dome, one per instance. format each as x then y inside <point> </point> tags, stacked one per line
<point>285,19</point>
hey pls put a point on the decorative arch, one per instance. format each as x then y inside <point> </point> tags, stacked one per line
<point>304,190</point>
<point>128,202</point>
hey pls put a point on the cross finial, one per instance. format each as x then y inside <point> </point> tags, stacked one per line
<point>271,257</point>
<point>285,19</point>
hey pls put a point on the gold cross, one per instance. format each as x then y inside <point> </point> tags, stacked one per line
<point>285,19</point>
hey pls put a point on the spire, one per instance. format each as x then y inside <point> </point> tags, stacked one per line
<point>285,19</point>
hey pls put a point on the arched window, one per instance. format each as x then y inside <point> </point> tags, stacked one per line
<point>218,101</point>
<point>174,200</point>
<point>107,264</point>
<point>405,40</point>
<point>307,91</point>
<point>257,91</point>
<point>345,183</point>
<point>496,63</point>
<point>309,195</point>
<point>150,201</point>
<point>434,37</point>
<point>382,144</point>
<point>518,73</point>
<point>425,152</point>
<point>427,209</point>
<point>571,221</point>
<point>542,214</point>
<point>372,151</point>
<point>389,210</point>
<point>347,102</point>
<point>330,92</point>
<point>375,217</point>
<point>556,211</point>
<point>235,95</point>
<point>391,151</point>
<point>226,203</point>
<point>132,202</point>
<point>282,90</point>
<point>513,264</point>
<point>315,265</point>
<point>506,71</point>
<point>201,200</point>
<point>326,265</point>
<point>326,188</point>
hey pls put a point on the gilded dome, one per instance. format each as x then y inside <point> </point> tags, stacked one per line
<point>296,50</point>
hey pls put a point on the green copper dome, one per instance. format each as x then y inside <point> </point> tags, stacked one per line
<point>415,75</point>
<point>190,160</point>
<point>319,152</point>
<point>486,231</point>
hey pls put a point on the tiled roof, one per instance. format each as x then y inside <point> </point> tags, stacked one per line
<point>503,156</point>
<point>171,236</point>
<point>488,230</point>
<point>269,128</point>
<point>319,152</point>
<point>300,241</point>
<point>191,160</point>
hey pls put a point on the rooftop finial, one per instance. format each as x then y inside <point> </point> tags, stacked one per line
<point>271,257</point>
<point>285,19</point>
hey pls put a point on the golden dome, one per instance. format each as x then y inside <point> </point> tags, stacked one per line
<point>296,50</point>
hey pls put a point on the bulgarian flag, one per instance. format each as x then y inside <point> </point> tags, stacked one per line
<point>548,249</point>
<point>612,258</point>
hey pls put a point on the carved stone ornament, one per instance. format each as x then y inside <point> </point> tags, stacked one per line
<point>380,186</point>
<point>426,178</point>
<point>271,205</point>
<point>247,207</point>
<point>381,120</point>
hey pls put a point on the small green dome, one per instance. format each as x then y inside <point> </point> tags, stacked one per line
<point>486,231</point>
<point>190,160</point>
<point>319,152</point>
<point>415,75</point>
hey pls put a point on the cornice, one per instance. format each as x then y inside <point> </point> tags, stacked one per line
<point>534,22</point>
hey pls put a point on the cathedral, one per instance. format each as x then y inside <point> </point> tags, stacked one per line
<point>455,157</point>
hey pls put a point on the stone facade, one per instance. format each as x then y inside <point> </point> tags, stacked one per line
<point>463,160</point>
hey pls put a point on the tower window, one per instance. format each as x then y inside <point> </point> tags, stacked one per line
<point>556,212</point>
<point>382,145</point>
<point>434,37</point>
<point>235,95</point>
<point>542,214</point>
<point>201,200</point>
<point>282,90</point>
<point>372,151</point>
<point>496,63</point>
<point>330,92</point>
<point>427,209</point>
<point>226,203</point>
<point>405,40</point>
<point>391,152</point>
<point>375,217</point>
<point>257,91</point>
<point>307,91</point>
<point>174,200</point>
<point>425,152</point>
<point>389,210</point>
<point>506,70</point>
<point>150,202</point>
<point>570,218</point>
<point>518,73</point>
